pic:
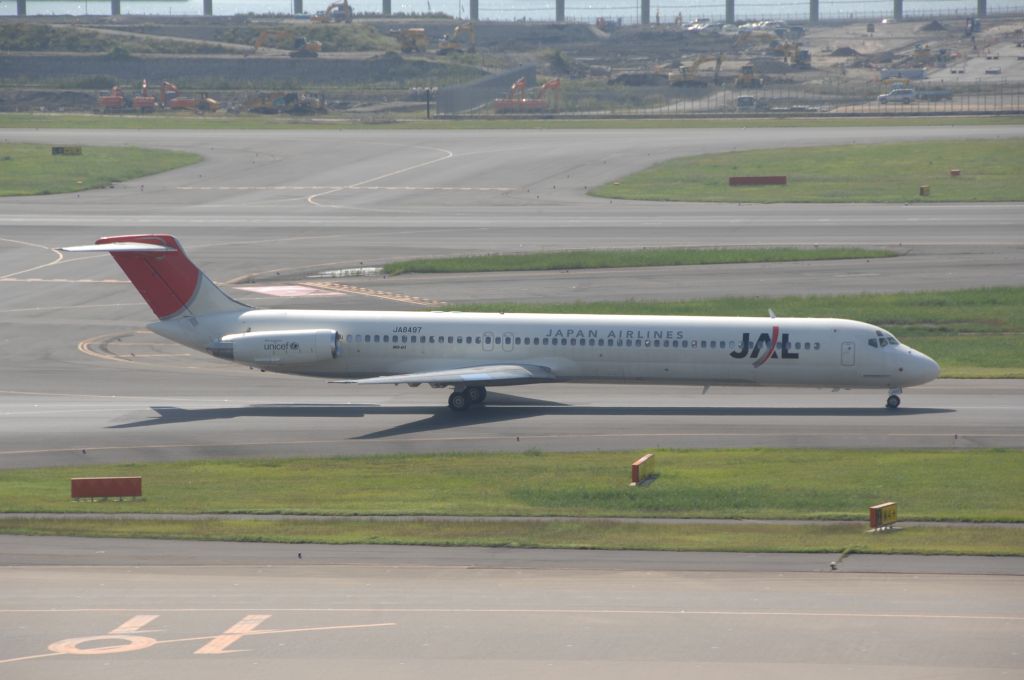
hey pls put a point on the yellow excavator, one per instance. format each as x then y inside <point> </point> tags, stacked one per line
<point>462,39</point>
<point>336,11</point>
<point>688,76</point>
<point>412,39</point>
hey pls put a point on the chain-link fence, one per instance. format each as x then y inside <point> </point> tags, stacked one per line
<point>477,97</point>
<point>838,97</point>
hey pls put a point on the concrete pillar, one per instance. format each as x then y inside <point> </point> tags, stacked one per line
<point>115,8</point>
<point>814,11</point>
<point>982,7</point>
<point>386,10</point>
<point>22,8</point>
<point>897,9</point>
<point>730,11</point>
<point>296,6</point>
<point>645,12</point>
<point>474,10</point>
<point>208,7</point>
<point>560,11</point>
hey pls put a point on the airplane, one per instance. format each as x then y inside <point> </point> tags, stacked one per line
<point>470,352</point>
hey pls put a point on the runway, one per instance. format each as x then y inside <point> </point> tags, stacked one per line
<point>84,382</point>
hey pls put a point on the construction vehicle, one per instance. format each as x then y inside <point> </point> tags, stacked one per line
<point>749,77</point>
<point>462,39</point>
<point>548,98</point>
<point>170,99</point>
<point>293,103</point>
<point>301,47</point>
<point>794,56</point>
<point>336,11</point>
<point>108,103</point>
<point>687,76</point>
<point>412,39</point>
<point>118,101</point>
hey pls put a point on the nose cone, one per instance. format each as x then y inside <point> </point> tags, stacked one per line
<point>918,368</point>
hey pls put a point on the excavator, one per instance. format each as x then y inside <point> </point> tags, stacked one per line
<point>462,39</point>
<point>687,76</point>
<point>412,39</point>
<point>301,47</point>
<point>336,11</point>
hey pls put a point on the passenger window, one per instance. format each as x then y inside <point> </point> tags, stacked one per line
<point>459,341</point>
<point>376,338</point>
<point>600,342</point>
<point>675,343</point>
<point>817,345</point>
<point>519,341</point>
<point>563,342</point>
<point>545,341</point>
<point>703,344</point>
<point>629,343</point>
<point>487,339</point>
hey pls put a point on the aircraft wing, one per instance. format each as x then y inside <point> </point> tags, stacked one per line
<point>503,374</point>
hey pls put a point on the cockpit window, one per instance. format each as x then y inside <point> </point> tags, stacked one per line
<point>892,341</point>
<point>873,342</point>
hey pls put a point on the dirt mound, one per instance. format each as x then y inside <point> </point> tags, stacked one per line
<point>933,25</point>
<point>846,52</point>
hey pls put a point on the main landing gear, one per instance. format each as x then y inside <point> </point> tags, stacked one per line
<point>460,400</point>
<point>893,402</point>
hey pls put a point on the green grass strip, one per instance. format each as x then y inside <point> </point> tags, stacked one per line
<point>31,169</point>
<point>644,257</point>
<point>975,333</point>
<point>974,485</point>
<point>986,540</point>
<point>254,122</point>
<point>991,170</point>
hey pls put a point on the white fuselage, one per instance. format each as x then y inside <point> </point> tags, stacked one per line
<point>588,348</point>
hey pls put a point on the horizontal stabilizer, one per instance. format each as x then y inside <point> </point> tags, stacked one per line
<point>120,248</point>
<point>505,374</point>
<point>160,270</point>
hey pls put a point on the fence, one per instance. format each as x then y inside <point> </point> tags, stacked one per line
<point>475,97</point>
<point>831,98</point>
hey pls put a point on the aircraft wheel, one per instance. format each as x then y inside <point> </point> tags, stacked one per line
<point>458,401</point>
<point>476,394</point>
<point>892,402</point>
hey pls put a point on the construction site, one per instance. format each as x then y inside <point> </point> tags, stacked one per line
<point>337,63</point>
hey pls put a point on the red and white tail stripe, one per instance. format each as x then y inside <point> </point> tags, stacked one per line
<point>157,266</point>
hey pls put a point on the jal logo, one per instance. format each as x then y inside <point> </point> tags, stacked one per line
<point>766,342</point>
<point>271,346</point>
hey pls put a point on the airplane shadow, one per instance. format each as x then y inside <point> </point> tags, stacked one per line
<point>499,408</point>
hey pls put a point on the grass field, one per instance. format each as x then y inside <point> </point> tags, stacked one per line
<point>647,257</point>
<point>976,485</point>
<point>31,169</point>
<point>254,122</point>
<point>874,173</point>
<point>971,333</point>
<point>577,490</point>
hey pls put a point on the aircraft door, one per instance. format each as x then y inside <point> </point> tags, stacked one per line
<point>848,355</point>
<point>507,343</point>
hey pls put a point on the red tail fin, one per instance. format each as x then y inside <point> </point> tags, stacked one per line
<point>167,279</point>
<point>157,266</point>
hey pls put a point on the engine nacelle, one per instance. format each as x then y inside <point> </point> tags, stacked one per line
<point>278,347</point>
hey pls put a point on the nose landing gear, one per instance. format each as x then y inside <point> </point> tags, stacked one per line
<point>893,402</point>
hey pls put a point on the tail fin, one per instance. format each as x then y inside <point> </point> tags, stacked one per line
<point>157,266</point>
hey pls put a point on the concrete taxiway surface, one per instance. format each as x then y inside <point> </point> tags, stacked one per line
<point>264,207</point>
<point>83,381</point>
<point>95,608</point>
